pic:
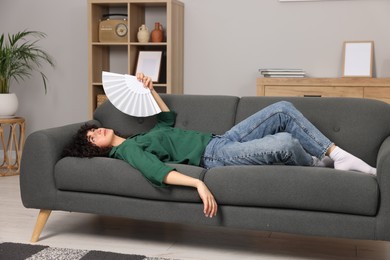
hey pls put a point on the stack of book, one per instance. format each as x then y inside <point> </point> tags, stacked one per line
<point>283,73</point>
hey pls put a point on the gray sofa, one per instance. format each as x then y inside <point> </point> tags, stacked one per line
<point>292,199</point>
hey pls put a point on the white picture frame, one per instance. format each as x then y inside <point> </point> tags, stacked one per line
<point>358,58</point>
<point>301,0</point>
<point>304,0</point>
<point>149,63</point>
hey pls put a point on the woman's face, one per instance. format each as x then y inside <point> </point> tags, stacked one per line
<point>101,137</point>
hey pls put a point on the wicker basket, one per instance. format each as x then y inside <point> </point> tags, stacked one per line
<point>101,99</point>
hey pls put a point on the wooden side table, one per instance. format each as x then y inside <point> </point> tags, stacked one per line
<point>11,143</point>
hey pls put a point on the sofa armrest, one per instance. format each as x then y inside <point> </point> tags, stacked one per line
<point>383,178</point>
<point>41,152</point>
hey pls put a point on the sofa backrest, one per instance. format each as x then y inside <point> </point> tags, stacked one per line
<point>213,114</point>
<point>357,125</point>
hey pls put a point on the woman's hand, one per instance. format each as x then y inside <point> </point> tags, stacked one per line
<point>147,81</point>
<point>210,206</point>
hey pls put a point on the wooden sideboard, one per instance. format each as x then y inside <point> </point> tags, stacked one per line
<point>375,88</point>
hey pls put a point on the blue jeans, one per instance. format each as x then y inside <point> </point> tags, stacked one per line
<point>277,134</point>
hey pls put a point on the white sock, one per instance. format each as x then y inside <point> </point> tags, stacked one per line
<point>348,162</point>
<point>325,162</point>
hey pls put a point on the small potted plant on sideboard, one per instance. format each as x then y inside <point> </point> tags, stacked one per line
<point>19,57</point>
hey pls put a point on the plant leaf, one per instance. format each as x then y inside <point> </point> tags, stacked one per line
<point>19,57</point>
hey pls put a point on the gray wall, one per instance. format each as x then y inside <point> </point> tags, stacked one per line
<point>226,42</point>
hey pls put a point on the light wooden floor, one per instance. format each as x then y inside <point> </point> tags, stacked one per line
<point>85,231</point>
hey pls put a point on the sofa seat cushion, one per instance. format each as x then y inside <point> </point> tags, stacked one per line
<point>290,187</point>
<point>115,177</point>
<point>295,187</point>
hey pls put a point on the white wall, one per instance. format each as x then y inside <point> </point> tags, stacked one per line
<point>226,42</point>
<point>65,23</point>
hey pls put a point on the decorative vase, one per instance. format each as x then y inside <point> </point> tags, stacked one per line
<point>8,105</point>
<point>143,34</point>
<point>157,34</point>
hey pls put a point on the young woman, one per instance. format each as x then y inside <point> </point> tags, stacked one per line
<point>277,134</point>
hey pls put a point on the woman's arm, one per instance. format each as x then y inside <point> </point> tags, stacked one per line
<point>149,84</point>
<point>175,177</point>
<point>159,101</point>
<point>210,205</point>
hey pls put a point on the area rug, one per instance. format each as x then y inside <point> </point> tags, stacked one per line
<point>16,251</point>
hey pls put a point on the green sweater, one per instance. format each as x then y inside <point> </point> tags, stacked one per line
<point>148,152</point>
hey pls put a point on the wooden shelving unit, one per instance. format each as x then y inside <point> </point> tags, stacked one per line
<point>122,57</point>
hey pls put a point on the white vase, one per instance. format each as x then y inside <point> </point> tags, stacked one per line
<point>143,34</point>
<point>8,105</point>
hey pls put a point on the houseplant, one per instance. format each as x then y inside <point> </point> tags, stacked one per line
<point>19,58</point>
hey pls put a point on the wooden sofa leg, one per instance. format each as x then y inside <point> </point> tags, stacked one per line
<point>41,221</point>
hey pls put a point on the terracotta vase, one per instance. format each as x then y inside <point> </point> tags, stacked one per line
<point>143,34</point>
<point>157,34</point>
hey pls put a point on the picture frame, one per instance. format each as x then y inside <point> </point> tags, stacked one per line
<point>149,63</point>
<point>301,0</point>
<point>304,0</point>
<point>358,58</point>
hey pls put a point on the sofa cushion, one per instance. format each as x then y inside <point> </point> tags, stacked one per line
<point>295,187</point>
<point>115,177</point>
<point>290,187</point>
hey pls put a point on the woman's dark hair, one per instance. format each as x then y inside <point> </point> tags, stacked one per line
<point>81,147</point>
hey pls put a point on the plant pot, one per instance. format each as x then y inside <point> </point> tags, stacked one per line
<point>8,105</point>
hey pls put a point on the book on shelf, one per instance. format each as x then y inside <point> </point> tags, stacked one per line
<point>282,73</point>
<point>281,70</point>
<point>283,76</point>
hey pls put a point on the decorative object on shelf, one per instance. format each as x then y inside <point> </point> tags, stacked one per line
<point>149,62</point>
<point>100,99</point>
<point>158,33</point>
<point>283,73</point>
<point>129,95</point>
<point>143,34</point>
<point>113,29</point>
<point>19,57</point>
<point>358,59</point>
<point>12,145</point>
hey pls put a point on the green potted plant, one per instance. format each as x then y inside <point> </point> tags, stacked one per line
<point>19,57</point>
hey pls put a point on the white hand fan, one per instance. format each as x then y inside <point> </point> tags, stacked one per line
<point>129,95</point>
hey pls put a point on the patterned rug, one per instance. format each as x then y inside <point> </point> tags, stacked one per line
<point>15,251</point>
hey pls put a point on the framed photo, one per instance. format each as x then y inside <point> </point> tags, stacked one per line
<point>358,59</point>
<point>149,63</point>
<point>303,0</point>
<point>300,0</point>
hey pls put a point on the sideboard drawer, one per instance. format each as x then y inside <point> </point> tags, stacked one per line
<point>375,88</point>
<point>309,91</point>
<point>381,93</point>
